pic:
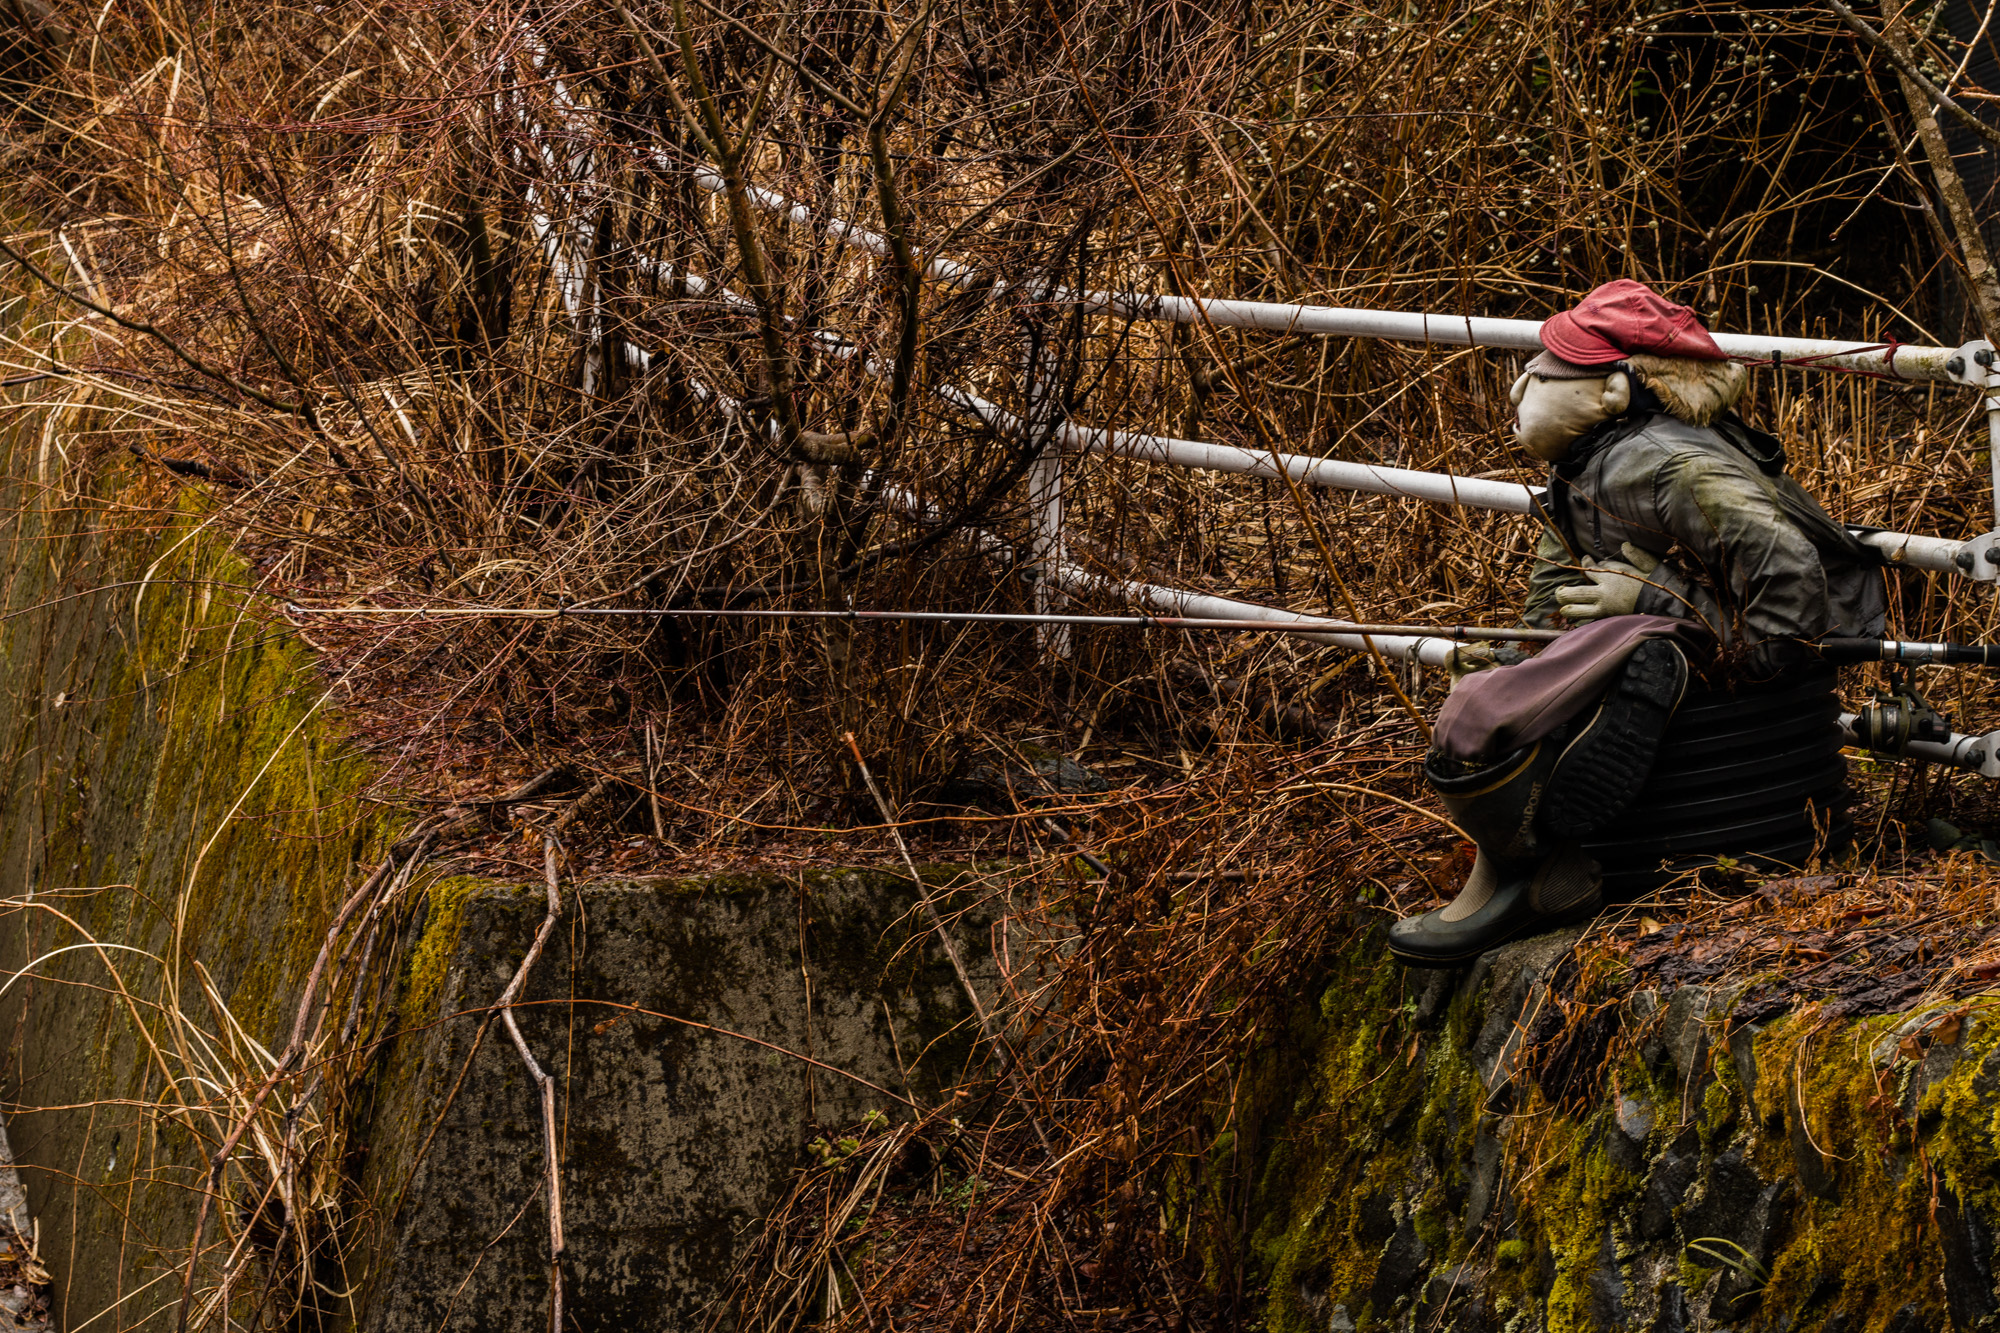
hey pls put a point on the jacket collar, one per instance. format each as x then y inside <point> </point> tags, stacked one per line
<point>1606,434</point>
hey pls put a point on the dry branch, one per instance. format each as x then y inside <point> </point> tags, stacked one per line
<point>545,1084</point>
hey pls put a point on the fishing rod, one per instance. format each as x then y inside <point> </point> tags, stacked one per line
<point>1839,651</point>
<point>1846,651</point>
<point>1309,626</point>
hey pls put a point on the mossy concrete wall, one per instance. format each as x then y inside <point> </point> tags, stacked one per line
<point>674,1015</point>
<point>180,822</point>
<point>178,818</point>
<point>1448,1151</point>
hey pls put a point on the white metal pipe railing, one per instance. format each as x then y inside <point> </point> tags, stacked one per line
<point>1970,364</point>
<point>1074,578</point>
<point>1899,360</point>
<point>1909,549</point>
<point>1318,629</point>
<point>1056,570</point>
<point>1912,550</point>
<point>1509,497</point>
<point>1916,551</point>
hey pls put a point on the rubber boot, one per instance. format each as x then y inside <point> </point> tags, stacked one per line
<point>1522,882</point>
<point>1605,764</point>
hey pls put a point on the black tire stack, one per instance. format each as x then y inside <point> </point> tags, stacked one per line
<point>1756,776</point>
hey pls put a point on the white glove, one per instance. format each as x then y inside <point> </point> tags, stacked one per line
<point>1613,589</point>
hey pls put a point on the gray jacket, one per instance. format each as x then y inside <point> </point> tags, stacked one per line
<point>1743,548</point>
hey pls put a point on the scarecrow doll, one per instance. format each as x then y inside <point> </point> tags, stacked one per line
<point>1675,541</point>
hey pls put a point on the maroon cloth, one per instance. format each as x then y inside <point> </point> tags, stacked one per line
<point>1622,318</point>
<point>1494,712</point>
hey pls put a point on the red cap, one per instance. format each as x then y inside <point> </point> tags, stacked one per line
<point>1623,318</point>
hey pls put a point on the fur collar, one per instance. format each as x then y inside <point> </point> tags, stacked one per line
<point>1695,391</point>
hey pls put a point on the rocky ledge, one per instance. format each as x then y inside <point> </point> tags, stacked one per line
<point>1555,1140</point>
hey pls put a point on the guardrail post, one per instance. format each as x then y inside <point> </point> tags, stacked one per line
<point>1045,494</point>
<point>1045,490</point>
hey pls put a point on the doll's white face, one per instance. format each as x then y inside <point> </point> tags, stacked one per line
<point>1549,414</point>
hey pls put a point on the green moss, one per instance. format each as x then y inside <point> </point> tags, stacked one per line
<point>444,915</point>
<point>1432,1223</point>
<point>1693,1277</point>
<point>1374,1139</point>
<point>1380,1116</point>
<point>1575,1209</point>
<point>1719,1102</point>
<point>176,784</point>
<point>1878,1237</point>
<point>1965,1110</point>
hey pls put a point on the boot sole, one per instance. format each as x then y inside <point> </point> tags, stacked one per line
<point>1606,766</point>
<point>1540,925</point>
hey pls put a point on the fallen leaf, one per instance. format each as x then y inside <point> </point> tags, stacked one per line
<point>1986,971</point>
<point>1909,1048</point>
<point>1863,913</point>
<point>1648,926</point>
<point>1947,1030</point>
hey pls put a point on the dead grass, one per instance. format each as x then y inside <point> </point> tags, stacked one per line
<point>396,296</point>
